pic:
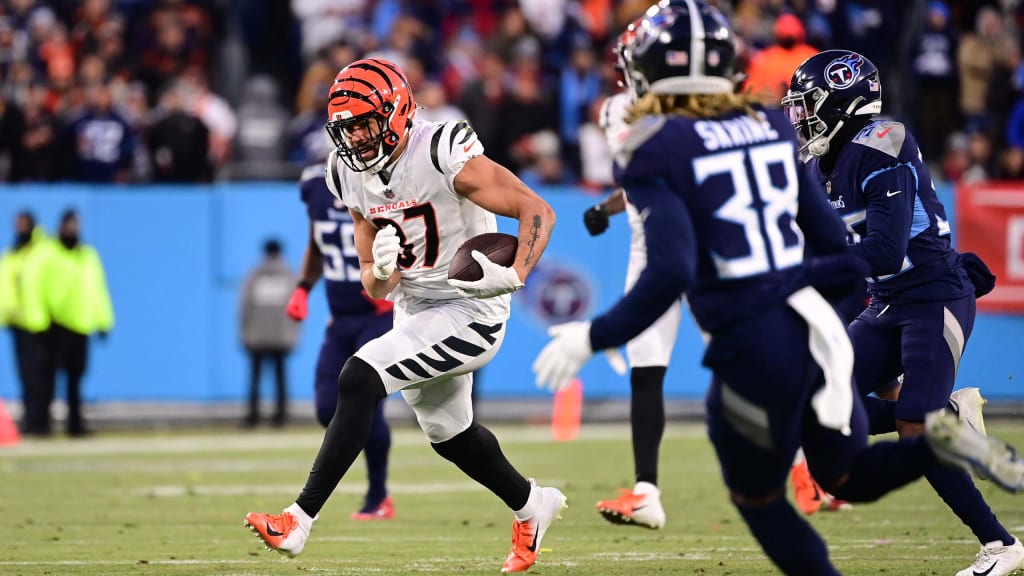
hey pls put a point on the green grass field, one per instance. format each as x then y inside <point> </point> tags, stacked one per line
<point>173,503</point>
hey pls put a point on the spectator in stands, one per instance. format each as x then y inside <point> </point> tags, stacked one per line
<point>1002,92</point>
<point>772,68</point>
<point>12,123</point>
<point>980,157</point>
<point>935,112</point>
<point>528,110</point>
<point>80,307</point>
<point>324,22</point>
<point>213,110</point>
<point>483,100</point>
<point>259,147</point>
<point>595,156</point>
<point>957,158</point>
<point>36,155</point>
<point>104,143</point>
<point>23,307</point>
<point>580,84</point>
<point>542,161</point>
<point>267,332</point>
<point>976,58</point>
<point>179,143</point>
<point>434,107</point>
<point>1011,164</point>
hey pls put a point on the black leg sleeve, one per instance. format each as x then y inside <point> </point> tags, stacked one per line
<point>360,390</point>
<point>647,420</point>
<point>477,453</point>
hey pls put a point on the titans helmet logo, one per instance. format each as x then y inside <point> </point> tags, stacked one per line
<point>842,72</point>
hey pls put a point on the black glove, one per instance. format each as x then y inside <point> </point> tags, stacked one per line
<point>596,219</point>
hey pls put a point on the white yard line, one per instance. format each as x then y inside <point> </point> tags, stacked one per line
<point>235,441</point>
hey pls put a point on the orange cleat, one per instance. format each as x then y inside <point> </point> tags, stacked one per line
<point>283,533</point>
<point>385,510</point>
<point>806,491</point>
<point>639,507</point>
<point>527,534</point>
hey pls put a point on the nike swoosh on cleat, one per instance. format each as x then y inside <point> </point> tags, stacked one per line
<point>533,547</point>
<point>641,507</point>
<point>987,572</point>
<point>272,532</point>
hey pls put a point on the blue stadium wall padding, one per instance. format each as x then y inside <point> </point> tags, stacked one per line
<point>176,257</point>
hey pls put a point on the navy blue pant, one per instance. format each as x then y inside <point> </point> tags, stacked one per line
<point>758,407</point>
<point>345,335</point>
<point>923,341</point>
<point>759,412</point>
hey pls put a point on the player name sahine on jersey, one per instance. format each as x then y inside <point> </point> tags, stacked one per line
<point>393,206</point>
<point>734,132</point>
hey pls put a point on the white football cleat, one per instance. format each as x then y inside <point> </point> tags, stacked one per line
<point>957,443</point>
<point>996,559</point>
<point>967,403</point>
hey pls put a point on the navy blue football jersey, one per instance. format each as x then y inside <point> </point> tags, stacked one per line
<point>333,233</point>
<point>894,220</point>
<point>728,213</point>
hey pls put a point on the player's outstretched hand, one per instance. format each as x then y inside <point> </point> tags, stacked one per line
<point>386,248</point>
<point>298,305</point>
<point>596,219</point>
<point>497,279</point>
<point>567,352</point>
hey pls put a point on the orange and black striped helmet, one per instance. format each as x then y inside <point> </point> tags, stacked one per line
<point>369,112</point>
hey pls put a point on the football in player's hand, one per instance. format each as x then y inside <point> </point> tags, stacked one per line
<point>499,248</point>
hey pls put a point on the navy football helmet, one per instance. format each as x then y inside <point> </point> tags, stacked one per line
<point>681,47</point>
<point>826,91</point>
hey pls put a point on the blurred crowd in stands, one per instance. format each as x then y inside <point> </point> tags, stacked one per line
<point>204,90</point>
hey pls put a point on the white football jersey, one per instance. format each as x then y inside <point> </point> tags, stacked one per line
<point>613,119</point>
<point>416,195</point>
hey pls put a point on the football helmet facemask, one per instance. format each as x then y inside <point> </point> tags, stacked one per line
<point>370,111</point>
<point>826,91</point>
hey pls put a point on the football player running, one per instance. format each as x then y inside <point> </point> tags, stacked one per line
<point>650,352</point>
<point>416,191</point>
<point>923,292</point>
<point>355,320</point>
<point>729,215</point>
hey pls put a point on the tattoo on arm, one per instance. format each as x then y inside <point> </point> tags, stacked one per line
<point>534,234</point>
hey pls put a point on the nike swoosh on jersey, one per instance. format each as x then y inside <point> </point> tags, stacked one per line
<point>272,532</point>
<point>890,193</point>
<point>882,133</point>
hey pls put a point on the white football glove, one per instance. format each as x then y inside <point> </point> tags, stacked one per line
<point>497,279</point>
<point>386,249</point>
<point>562,357</point>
